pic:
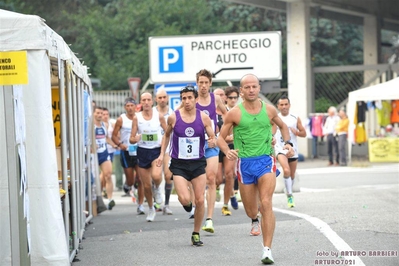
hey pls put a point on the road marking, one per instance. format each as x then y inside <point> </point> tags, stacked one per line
<point>326,230</point>
<point>393,168</point>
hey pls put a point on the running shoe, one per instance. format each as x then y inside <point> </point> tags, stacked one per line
<point>157,207</point>
<point>234,203</point>
<point>158,195</point>
<point>238,197</point>
<point>111,204</point>
<point>140,210</point>
<point>217,195</point>
<point>191,215</point>
<point>290,202</point>
<point>126,189</point>
<point>133,195</point>
<point>255,230</point>
<point>208,226</point>
<point>226,211</point>
<point>166,210</point>
<point>189,207</point>
<point>195,241</point>
<point>151,215</point>
<point>105,196</point>
<point>267,256</point>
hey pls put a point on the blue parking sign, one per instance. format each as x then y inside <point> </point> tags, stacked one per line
<point>171,59</point>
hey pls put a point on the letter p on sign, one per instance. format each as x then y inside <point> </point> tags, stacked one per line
<point>171,59</point>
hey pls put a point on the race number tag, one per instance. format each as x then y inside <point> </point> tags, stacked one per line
<point>132,148</point>
<point>189,148</point>
<point>101,147</point>
<point>149,138</point>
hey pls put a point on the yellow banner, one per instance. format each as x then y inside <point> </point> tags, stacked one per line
<point>13,68</point>
<point>55,103</point>
<point>384,149</point>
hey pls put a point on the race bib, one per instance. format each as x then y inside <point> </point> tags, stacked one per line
<point>101,146</point>
<point>149,137</point>
<point>132,149</point>
<point>189,148</point>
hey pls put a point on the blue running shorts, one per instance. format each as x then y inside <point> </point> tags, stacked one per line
<point>211,152</point>
<point>249,170</point>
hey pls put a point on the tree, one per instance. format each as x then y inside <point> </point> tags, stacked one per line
<point>111,36</point>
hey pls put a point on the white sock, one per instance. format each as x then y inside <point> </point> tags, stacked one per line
<point>288,185</point>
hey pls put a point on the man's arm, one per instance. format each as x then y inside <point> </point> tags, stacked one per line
<point>231,119</point>
<point>221,106</point>
<point>110,142</point>
<point>166,138</point>
<point>301,132</point>
<point>272,113</point>
<point>162,121</point>
<point>134,138</point>
<point>117,128</point>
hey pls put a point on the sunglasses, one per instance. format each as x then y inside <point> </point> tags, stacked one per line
<point>233,97</point>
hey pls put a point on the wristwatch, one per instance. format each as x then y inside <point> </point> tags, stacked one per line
<point>289,143</point>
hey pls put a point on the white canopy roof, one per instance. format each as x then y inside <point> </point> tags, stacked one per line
<point>29,32</point>
<point>384,91</point>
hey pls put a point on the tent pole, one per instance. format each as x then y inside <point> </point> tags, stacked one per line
<point>64,146</point>
<point>18,226</point>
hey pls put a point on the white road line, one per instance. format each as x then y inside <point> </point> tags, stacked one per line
<point>394,168</point>
<point>326,230</point>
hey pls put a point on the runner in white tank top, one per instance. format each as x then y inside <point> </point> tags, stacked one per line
<point>296,129</point>
<point>291,121</point>
<point>103,157</point>
<point>163,108</point>
<point>128,158</point>
<point>146,132</point>
<point>110,128</point>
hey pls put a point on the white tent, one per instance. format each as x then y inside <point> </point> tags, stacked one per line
<point>46,229</point>
<point>384,91</point>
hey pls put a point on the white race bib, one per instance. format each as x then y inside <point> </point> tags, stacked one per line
<point>132,148</point>
<point>189,148</point>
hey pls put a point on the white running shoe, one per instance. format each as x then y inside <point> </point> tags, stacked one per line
<point>267,256</point>
<point>140,210</point>
<point>191,215</point>
<point>167,211</point>
<point>151,214</point>
<point>158,195</point>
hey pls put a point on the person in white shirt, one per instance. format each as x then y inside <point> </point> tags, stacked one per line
<point>163,108</point>
<point>329,131</point>
<point>147,133</point>
<point>296,129</point>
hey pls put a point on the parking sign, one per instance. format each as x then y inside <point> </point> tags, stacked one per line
<point>228,56</point>
<point>171,59</point>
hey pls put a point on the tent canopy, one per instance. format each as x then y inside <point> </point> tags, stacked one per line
<point>29,32</point>
<point>384,91</point>
<point>42,205</point>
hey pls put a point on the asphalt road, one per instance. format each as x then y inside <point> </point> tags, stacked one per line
<point>343,215</point>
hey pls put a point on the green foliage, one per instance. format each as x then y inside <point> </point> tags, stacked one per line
<point>111,36</point>
<point>335,43</point>
<point>322,104</point>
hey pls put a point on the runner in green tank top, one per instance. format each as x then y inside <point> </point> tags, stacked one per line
<point>253,136</point>
<point>251,124</point>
